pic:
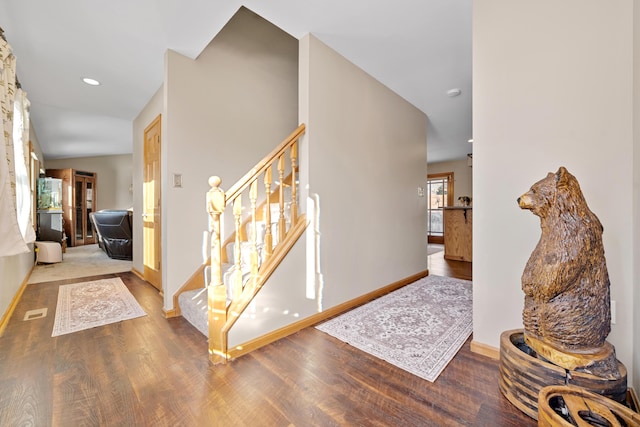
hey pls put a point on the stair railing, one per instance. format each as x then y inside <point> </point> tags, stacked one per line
<point>226,306</point>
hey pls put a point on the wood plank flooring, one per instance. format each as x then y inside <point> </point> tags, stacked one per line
<point>443,267</point>
<point>153,371</point>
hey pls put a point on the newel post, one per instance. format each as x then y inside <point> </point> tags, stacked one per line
<point>216,291</point>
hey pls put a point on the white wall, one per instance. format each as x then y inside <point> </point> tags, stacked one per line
<point>553,86</point>
<point>366,158</point>
<point>462,176</point>
<point>224,112</point>
<point>15,269</point>
<point>114,177</point>
<point>281,301</point>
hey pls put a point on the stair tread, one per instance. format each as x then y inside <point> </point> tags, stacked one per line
<point>193,306</point>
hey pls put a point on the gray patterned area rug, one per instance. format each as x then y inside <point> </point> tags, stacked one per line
<point>95,303</point>
<point>419,327</point>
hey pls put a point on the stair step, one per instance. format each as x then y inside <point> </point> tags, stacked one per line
<point>193,303</point>
<point>193,306</point>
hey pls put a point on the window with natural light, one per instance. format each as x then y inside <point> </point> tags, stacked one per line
<point>23,186</point>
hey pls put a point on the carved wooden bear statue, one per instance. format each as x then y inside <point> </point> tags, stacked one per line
<point>565,281</point>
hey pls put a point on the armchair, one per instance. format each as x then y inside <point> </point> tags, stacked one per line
<point>114,232</point>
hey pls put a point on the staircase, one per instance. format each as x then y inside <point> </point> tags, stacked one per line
<point>193,303</point>
<point>262,222</point>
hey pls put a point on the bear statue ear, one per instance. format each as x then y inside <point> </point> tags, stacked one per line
<point>561,175</point>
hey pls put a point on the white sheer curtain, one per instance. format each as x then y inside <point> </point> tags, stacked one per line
<point>12,241</point>
<point>21,155</point>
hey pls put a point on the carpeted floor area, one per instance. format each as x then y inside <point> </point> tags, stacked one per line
<point>79,261</point>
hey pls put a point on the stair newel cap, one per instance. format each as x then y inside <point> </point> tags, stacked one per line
<point>214,181</point>
<point>215,195</point>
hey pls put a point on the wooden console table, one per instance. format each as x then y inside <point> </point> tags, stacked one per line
<point>458,230</point>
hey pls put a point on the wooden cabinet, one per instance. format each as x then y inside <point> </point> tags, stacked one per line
<point>49,226</point>
<point>79,194</point>
<point>458,231</point>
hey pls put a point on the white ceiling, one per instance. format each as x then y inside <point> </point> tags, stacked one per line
<point>418,48</point>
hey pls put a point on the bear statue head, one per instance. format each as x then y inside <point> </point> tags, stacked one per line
<point>558,192</point>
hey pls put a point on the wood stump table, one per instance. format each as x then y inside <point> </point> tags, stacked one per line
<point>560,406</point>
<point>523,375</point>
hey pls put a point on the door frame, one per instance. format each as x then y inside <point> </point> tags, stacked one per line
<point>153,274</point>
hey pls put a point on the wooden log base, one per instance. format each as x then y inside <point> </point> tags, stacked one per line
<point>523,374</point>
<point>601,363</point>
<point>632,400</point>
<point>560,406</point>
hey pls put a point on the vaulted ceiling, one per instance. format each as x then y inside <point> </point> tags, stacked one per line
<point>421,49</point>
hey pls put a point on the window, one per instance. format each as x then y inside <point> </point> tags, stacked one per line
<point>34,174</point>
<point>440,194</point>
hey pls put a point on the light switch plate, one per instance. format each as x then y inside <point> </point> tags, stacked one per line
<point>177,180</point>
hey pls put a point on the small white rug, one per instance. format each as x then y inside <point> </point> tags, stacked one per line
<point>95,303</point>
<point>419,327</point>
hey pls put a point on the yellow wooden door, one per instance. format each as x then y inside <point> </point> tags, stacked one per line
<point>151,216</point>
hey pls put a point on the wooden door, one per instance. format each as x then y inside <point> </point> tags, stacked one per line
<point>84,203</point>
<point>151,216</point>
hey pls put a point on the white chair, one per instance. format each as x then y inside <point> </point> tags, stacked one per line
<point>48,252</point>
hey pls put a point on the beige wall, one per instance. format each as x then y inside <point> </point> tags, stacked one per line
<point>14,270</point>
<point>552,87</point>
<point>462,176</point>
<point>33,137</point>
<point>636,195</point>
<point>13,273</point>
<point>223,113</point>
<point>114,184</point>
<point>365,158</point>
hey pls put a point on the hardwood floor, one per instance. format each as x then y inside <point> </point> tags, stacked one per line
<point>153,371</point>
<point>444,267</point>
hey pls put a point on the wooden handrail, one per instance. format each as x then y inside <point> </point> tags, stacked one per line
<point>244,182</point>
<point>225,307</point>
<point>262,214</point>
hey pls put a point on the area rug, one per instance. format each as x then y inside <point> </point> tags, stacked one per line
<point>95,303</point>
<point>434,249</point>
<point>419,327</point>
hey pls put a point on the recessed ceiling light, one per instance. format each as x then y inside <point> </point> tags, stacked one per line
<point>470,141</point>
<point>91,82</point>
<point>453,92</point>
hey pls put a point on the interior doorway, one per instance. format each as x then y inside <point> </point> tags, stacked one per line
<point>439,196</point>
